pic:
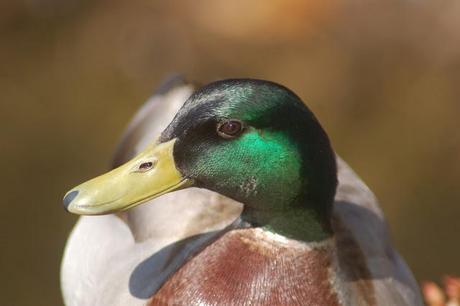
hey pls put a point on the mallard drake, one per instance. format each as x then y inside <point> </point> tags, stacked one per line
<point>308,231</point>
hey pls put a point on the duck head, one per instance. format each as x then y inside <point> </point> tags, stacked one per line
<point>251,140</point>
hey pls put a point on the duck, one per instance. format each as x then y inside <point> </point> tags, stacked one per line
<point>244,202</point>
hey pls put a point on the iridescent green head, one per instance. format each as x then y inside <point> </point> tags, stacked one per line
<point>256,142</point>
<point>251,140</point>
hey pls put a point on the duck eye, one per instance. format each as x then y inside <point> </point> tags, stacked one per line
<point>229,128</point>
<point>145,166</point>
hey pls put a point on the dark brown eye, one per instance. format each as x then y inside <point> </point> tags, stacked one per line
<point>229,128</point>
<point>145,166</point>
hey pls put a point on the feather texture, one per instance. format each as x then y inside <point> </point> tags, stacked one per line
<point>125,259</point>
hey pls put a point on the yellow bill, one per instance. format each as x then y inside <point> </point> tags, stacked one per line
<point>150,174</point>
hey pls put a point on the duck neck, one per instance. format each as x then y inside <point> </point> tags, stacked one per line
<point>296,221</point>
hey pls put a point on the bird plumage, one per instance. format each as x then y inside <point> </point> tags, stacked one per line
<point>126,259</point>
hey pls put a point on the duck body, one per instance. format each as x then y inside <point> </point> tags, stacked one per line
<point>194,247</point>
<point>252,266</point>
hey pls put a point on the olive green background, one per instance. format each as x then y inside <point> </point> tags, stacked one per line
<point>382,76</point>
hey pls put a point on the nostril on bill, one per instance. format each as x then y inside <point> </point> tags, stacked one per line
<point>69,198</point>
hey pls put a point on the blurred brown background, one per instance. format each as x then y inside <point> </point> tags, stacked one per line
<point>382,76</point>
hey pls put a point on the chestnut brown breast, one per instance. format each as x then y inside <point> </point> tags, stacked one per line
<point>248,267</point>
